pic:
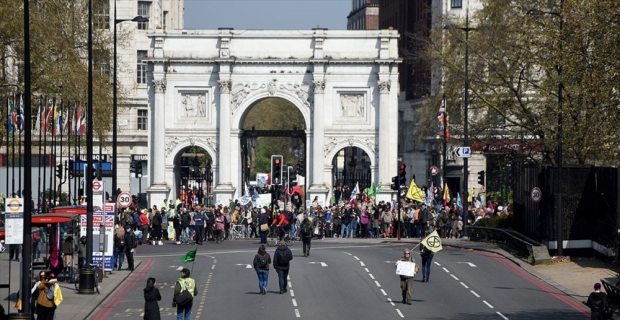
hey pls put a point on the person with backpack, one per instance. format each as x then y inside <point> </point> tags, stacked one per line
<point>600,306</point>
<point>183,300</point>
<point>50,297</point>
<point>263,223</point>
<point>306,229</point>
<point>199,222</point>
<point>261,263</point>
<point>119,248</point>
<point>282,262</point>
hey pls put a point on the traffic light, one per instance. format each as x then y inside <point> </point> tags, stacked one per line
<point>481,178</point>
<point>276,170</point>
<point>402,175</point>
<point>59,171</point>
<point>71,167</point>
<point>292,177</point>
<point>132,166</point>
<point>394,185</point>
<point>138,169</point>
<point>301,167</point>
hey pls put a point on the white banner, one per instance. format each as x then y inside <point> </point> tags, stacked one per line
<point>405,268</point>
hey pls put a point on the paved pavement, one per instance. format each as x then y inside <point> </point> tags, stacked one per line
<point>575,278</point>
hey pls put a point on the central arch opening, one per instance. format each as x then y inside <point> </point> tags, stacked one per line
<point>272,126</point>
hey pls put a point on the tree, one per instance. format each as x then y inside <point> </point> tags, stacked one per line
<point>517,62</point>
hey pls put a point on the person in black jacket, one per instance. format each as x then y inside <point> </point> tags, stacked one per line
<point>281,262</point>
<point>263,219</point>
<point>427,258</point>
<point>151,296</point>
<point>261,263</point>
<point>131,243</point>
<point>596,301</point>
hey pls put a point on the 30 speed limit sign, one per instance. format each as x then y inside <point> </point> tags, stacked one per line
<point>124,200</point>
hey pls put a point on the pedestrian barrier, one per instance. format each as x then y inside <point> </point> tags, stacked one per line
<point>524,246</point>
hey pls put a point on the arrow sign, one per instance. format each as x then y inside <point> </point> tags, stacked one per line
<point>323,264</point>
<point>248,266</point>
<point>463,152</point>
<point>469,263</point>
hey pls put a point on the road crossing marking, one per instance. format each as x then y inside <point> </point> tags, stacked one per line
<point>475,294</point>
<point>179,268</point>
<point>488,304</point>
<point>464,285</point>
<point>400,313</point>
<point>501,315</point>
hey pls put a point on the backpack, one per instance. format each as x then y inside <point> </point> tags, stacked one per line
<point>262,262</point>
<point>282,258</point>
<point>306,230</point>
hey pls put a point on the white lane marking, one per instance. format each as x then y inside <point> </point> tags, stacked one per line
<point>446,270</point>
<point>290,285</point>
<point>347,253</point>
<point>371,276</point>
<point>488,304</point>
<point>356,258</point>
<point>469,263</point>
<point>294,303</point>
<point>400,313</point>
<point>362,263</point>
<point>323,264</point>
<point>214,260</point>
<point>179,268</point>
<point>464,285</point>
<point>212,267</point>
<point>384,293</point>
<point>247,266</point>
<point>367,270</point>
<point>292,293</point>
<point>377,283</point>
<point>475,294</point>
<point>437,263</point>
<point>501,315</point>
<point>288,278</point>
<point>297,313</point>
<point>391,302</point>
<point>455,278</point>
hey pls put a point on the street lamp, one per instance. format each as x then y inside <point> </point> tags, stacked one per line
<point>114,102</point>
<point>467,29</point>
<point>558,181</point>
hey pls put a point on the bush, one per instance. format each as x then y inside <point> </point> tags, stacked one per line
<point>501,222</point>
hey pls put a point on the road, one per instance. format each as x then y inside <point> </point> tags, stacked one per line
<point>342,281</point>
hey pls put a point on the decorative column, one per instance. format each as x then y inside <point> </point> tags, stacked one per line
<point>318,136</point>
<point>158,189</point>
<point>224,188</point>
<point>384,135</point>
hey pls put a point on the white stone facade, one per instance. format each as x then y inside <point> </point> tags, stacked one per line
<point>203,83</point>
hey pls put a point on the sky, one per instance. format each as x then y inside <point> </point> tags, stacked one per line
<point>267,14</point>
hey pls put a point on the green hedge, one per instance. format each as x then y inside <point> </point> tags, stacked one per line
<point>501,222</point>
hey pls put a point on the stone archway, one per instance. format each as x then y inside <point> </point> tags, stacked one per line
<point>340,81</point>
<point>193,176</point>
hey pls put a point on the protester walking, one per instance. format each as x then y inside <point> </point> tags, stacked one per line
<point>263,222</point>
<point>181,300</point>
<point>599,303</point>
<point>151,296</point>
<point>282,262</point>
<point>261,263</point>
<point>306,229</point>
<point>427,258</point>
<point>406,282</point>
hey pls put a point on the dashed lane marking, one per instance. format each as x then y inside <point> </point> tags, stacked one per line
<point>371,276</point>
<point>475,294</point>
<point>356,258</point>
<point>391,302</point>
<point>292,293</point>
<point>297,313</point>
<point>446,270</point>
<point>501,315</point>
<point>384,293</point>
<point>455,278</point>
<point>367,270</point>
<point>437,263</point>
<point>294,303</point>
<point>362,263</point>
<point>204,296</point>
<point>400,313</point>
<point>488,304</point>
<point>377,283</point>
<point>464,285</point>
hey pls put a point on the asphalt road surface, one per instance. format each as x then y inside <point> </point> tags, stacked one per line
<point>341,281</point>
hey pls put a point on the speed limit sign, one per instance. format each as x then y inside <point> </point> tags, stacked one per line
<point>124,200</point>
<point>536,194</point>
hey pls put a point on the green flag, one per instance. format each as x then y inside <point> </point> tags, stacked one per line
<point>372,190</point>
<point>189,256</point>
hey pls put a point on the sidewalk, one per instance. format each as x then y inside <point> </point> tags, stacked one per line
<point>74,306</point>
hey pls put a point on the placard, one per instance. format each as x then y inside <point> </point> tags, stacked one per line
<point>14,228</point>
<point>405,268</point>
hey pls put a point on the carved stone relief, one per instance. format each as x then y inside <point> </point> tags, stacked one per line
<point>272,87</point>
<point>332,142</point>
<point>194,105</point>
<point>300,90</point>
<point>384,86</point>
<point>319,86</point>
<point>225,86</point>
<point>173,142</point>
<point>160,85</point>
<point>352,105</point>
<point>241,91</point>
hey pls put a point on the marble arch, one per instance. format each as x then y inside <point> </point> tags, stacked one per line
<point>201,83</point>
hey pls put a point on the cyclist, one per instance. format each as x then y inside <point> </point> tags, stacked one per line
<point>283,225</point>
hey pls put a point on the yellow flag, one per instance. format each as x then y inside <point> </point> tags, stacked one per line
<point>470,197</point>
<point>414,192</point>
<point>446,193</point>
<point>432,242</point>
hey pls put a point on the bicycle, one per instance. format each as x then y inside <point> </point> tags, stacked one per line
<point>235,231</point>
<point>273,238</point>
<point>89,267</point>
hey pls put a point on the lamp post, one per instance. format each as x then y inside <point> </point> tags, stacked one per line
<point>466,29</point>
<point>114,103</point>
<point>558,180</point>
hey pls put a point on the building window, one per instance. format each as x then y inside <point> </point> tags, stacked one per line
<point>165,26</point>
<point>102,62</point>
<point>141,67</point>
<point>142,119</point>
<point>457,3</point>
<point>144,9</point>
<point>101,19</point>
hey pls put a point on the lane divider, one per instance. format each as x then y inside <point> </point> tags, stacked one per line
<point>290,285</point>
<point>204,296</point>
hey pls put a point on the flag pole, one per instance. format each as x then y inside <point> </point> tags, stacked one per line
<point>40,145</point>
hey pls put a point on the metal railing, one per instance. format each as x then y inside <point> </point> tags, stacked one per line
<point>522,244</point>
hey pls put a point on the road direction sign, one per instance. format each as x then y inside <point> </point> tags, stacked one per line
<point>463,152</point>
<point>434,170</point>
<point>124,199</point>
<point>536,194</point>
